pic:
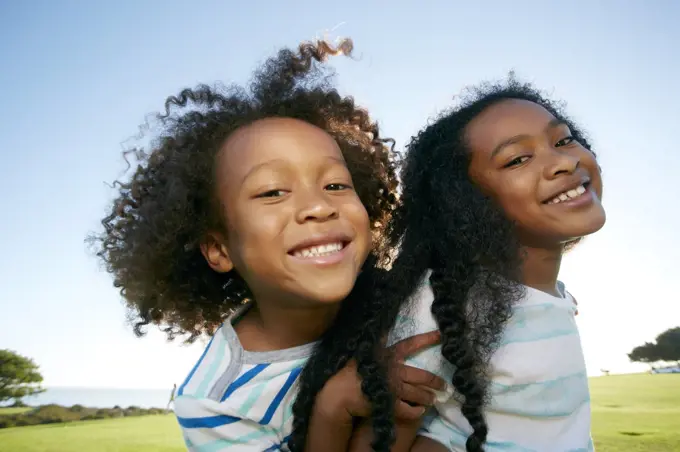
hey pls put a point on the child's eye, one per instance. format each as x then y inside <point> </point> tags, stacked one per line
<point>516,161</point>
<point>271,194</point>
<point>564,141</point>
<point>338,187</point>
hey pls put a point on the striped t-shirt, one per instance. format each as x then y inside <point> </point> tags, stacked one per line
<point>540,400</point>
<point>234,399</point>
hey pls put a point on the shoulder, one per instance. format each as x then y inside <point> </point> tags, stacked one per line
<point>215,357</point>
<point>419,304</point>
<point>248,410</point>
<point>415,316</point>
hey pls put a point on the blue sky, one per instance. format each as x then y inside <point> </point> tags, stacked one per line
<point>78,78</point>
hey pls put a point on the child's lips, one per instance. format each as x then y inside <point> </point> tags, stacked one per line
<point>331,257</point>
<point>583,199</point>
<point>318,241</point>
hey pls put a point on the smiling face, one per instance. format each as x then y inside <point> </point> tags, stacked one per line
<point>296,230</point>
<point>544,180</point>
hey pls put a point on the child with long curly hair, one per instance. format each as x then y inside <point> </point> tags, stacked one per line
<point>250,220</point>
<point>494,192</point>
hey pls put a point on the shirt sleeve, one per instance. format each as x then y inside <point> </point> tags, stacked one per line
<point>207,427</point>
<point>416,318</point>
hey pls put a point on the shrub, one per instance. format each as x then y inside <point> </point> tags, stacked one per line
<point>52,414</point>
<point>7,422</point>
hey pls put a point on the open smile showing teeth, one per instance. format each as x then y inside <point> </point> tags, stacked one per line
<point>568,195</point>
<point>319,250</point>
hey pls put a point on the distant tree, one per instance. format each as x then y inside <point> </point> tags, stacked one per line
<point>19,377</point>
<point>668,344</point>
<point>665,348</point>
<point>645,353</point>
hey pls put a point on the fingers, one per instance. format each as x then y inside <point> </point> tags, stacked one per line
<point>413,344</point>
<point>406,412</point>
<point>414,395</point>
<point>420,377</point>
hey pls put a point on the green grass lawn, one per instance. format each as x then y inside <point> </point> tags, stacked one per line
<point>631,413</point>
<point>134,434</point>
<point>634,413</point>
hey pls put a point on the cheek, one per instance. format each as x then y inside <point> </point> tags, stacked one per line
<point>596,184</point>
<point>590,164</point>
<point>596,180</point>
<point>355,213</point>
<point>517,197</point>
<point>359,212</point>
<point>257,230</point>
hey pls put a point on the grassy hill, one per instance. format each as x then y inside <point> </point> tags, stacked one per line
<point>631,413</point>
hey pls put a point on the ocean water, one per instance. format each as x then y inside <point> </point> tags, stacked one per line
<point>102,398</point>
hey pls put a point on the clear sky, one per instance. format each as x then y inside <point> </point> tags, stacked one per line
<point>79,77</point>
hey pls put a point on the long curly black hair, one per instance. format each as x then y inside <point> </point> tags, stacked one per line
<point>446,226</point>
<point>150,240</point>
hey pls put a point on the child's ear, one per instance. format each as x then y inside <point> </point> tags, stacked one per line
<point>214,249</point>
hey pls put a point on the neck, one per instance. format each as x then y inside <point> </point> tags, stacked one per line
<point>279,326</point>
<point>540,268</point>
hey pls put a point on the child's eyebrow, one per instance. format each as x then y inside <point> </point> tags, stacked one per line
<point>281,162</point>
<point>505,143</point>
<point>337,160</point>
<point>258,167</point>
<point>556,122</point>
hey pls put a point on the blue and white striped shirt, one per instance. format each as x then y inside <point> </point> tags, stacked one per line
<point>234,399</point>
<point>239,400</point>
<point>540,401</point>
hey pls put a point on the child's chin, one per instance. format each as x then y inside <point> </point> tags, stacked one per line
<point>595,221</point>
<point>586,226</point>
<point>329,293</point>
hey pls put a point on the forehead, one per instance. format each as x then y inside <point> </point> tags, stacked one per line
<point>281,140</point>
<point>505,120</point>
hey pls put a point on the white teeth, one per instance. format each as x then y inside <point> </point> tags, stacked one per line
<point>319,250</point>
<point>569,194</point>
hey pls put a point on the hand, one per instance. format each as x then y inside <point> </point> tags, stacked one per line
<point>413,386</point>
<point>343,399</point>
<point>575,304</point>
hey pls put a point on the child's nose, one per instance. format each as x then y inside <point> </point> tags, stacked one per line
<point>316,208</point>
<point>561,163</point>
